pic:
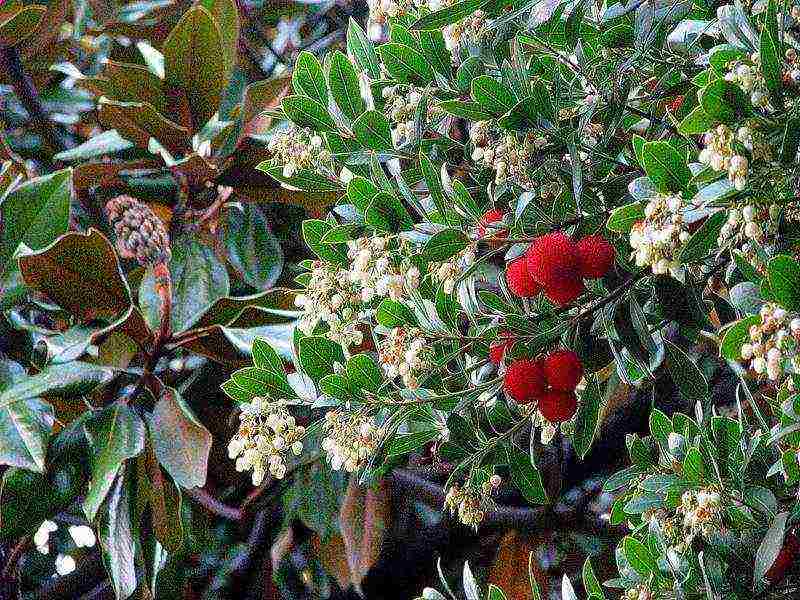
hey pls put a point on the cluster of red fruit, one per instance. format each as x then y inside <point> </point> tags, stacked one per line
<point>550,381</point>
<point>553,263</point>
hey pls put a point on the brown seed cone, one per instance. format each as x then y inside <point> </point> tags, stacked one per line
<point>140,233</point>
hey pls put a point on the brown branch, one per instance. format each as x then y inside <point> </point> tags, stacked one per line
<point>29,98</point>
<point>212,505</point>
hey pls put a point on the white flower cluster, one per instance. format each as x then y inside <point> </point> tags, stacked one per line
<point>379,13</point>
<point>657,239</point>
<point>401,106</point>
<point>448,271</point>
<point>772,347</point>
<point>505,154</point>
<point>472,502</point>
<point>298,148</point>
<point>718,153</point>
<point>404,353</point>
<point>266,433</point>
<point>377,270</point>
<point>749,78</point>
<point>350,440</point>
<point>338,296</point>
<point>701,511</point>
<point>751,223</point>
<point>331,297</point>
<point>467,30</point>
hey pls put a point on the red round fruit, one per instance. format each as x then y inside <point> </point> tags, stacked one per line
<point>564,294</point>
<point>489,217</point>
<point>524,380</point>
<point>498,350</point>
<point>596,256</point>
<point>519,280</point>
<point>563,370</point>
<point>553,260</point>
<point>557,406</point>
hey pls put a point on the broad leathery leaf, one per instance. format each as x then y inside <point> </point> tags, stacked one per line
<point>181,443</point>
<point>81,273</point>
<point>116,433</point>
<point>35,213</point>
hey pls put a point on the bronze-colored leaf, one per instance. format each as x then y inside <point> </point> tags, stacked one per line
<point>139,121</point>
<point>510,566</point>
<point>79,272</point>
<point>228,311</point>
<point>258,98</point>
<point>165,501</point>
<point>194,64</point>
<point>363,520</point>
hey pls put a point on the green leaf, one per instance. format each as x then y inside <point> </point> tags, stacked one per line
<point>252,248</point>
<point>466,110</point>
<point>64,380</point>
<point>318,356</point>
<point>313,232</point>
<point>769,46</point>
<point>693,469</point>
<point>250,382</point>
<point>492,95</point>
<point>696,122</point>
<point>180,442</point>
<point>303,179</point>
<point>448,15</point>
<point>735,337</point>
<point>308,78</point>
<point>336,386</point>
<point>387,213</point>
<point>20,24</point>
<point>391,313</point>
<point>116,434</point>
<point>306,112</point>
<point>495,593</point>
<point>783,273</point>
<point>445,244</point>
<point>622,219</point>
<point>194,64</point>
<point>372,130</point>
<point>665,167</point>
<point>226,16</point>
<point>405,64</point>
<point>433,181</point>
<point>587,419</point>
<point>364,373</point>
<point>687,376</point>
<point>265,357</point>
<point>35,214</point>
<point>24,425</point>
<point>405,443</point>
<point>116,534</point>
<point>590,581</point>
<point>639,557</point>
<point>704,240</point>
<point>344,86</point>
<point>361,49</point>
<point>81,273</point>
<point>790,141</point>
<point>722,100</point>
<point>526,476</point>
<point>199,279</point>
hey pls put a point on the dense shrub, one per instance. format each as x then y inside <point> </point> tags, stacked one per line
<point>517,213</point>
